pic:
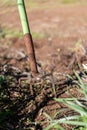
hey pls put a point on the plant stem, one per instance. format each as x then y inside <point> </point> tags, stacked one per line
<point>27,36</point>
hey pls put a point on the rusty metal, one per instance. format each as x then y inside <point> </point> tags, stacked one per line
<point>31,53</point>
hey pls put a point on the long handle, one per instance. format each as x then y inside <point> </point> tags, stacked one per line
<point>27,36</point>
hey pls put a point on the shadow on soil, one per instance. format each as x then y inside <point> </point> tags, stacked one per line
<point>18,108</point>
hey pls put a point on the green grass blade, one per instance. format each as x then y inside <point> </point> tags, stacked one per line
<point>72,105</point>
<point>78,77</point>
<point>47,116</point>
<point>77,108</point>
<point>66,121</point>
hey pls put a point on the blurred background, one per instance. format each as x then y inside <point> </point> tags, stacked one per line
<point>46,17</point>
<point>53,23</point>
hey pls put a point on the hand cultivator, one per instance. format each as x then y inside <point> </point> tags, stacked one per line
<point>28,43</point>
<point>35,77</point>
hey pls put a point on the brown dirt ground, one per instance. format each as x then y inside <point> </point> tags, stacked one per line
<point>63,27</point>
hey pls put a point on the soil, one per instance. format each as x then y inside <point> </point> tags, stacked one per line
<point>60,51</point>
